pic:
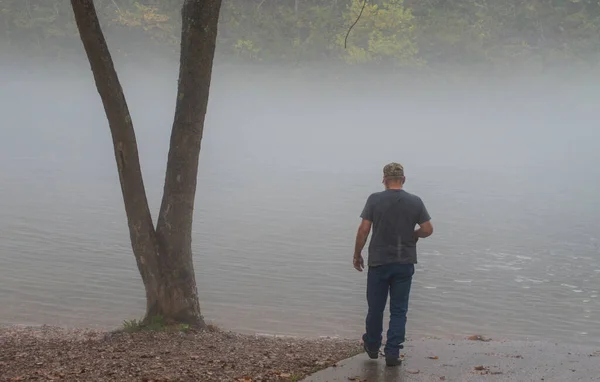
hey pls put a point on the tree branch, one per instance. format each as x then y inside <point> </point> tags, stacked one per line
<point>139,219</point>
<point>198,40</point>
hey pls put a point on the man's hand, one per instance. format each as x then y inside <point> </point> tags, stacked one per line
<point>359,263</point>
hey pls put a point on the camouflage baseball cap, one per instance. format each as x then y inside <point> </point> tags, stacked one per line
<point>393,170</point>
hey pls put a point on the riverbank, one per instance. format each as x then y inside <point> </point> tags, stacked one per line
<point>49,353</point>
<point>466,360</point>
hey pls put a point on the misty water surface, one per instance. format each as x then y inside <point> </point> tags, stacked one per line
<point>510,175</point>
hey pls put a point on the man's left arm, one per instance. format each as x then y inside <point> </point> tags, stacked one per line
<point>363,234</point>
<point>361,239</point>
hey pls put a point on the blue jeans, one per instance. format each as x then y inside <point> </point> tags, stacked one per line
<point>396,279</point>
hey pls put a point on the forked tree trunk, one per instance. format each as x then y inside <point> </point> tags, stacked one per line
<point>163,255</point>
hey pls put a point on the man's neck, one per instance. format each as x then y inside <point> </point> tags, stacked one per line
<point>394,187</point>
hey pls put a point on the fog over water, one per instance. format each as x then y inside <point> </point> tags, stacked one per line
<point>509,170</point>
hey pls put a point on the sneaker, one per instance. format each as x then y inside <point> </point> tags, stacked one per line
<point>373,354</point>
<point>393,361</point>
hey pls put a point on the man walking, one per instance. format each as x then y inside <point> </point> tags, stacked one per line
<point>393,214</point>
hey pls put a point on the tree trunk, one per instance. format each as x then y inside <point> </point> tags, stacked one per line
<point>179,297</point>
<point>164,255</point>
<point>139,220</point>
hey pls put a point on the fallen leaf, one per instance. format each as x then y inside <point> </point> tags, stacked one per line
<point>433,357</point>
<point>413,371</point>
<point>285,375</point>
<point>478,337</point>
<point>480,368</point>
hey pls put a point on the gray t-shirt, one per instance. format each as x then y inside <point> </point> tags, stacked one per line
<point>394,214</point>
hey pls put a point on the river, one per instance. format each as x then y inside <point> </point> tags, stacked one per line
<point>512,185</point>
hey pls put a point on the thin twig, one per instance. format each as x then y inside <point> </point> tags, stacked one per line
<point>115,4</point>
<point>355,21</point>
<point>260,5</point>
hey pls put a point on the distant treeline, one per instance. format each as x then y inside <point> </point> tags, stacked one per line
<point>539,34</point>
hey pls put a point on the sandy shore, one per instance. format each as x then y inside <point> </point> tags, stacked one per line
<point>434,360</point>
<point>47,353</point>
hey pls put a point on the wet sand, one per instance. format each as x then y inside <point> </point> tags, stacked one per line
<point>465,360</point>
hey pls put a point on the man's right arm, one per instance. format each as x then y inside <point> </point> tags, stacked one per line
<point>424,221</point>
<point>424,230</point>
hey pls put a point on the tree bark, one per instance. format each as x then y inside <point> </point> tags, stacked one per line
<point>179,296</point>
<point>163,255</point>
<point>139,219</point>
